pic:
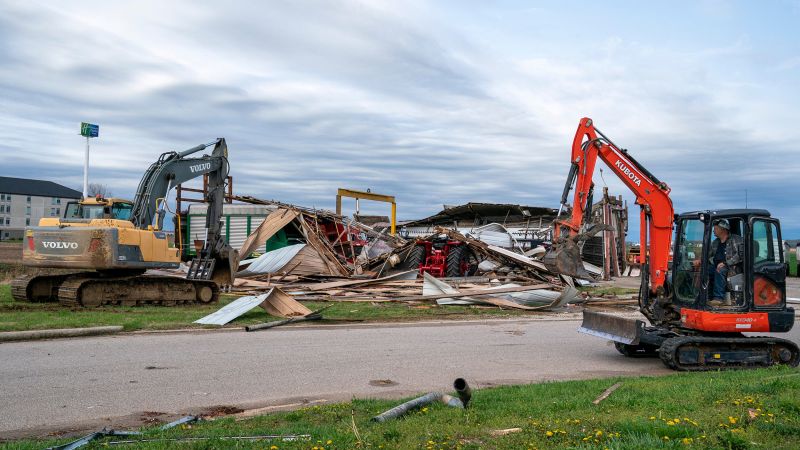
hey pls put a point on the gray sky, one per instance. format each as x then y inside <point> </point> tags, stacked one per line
<point>434,102</point>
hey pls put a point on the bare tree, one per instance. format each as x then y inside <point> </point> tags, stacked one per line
<point>97,188</point>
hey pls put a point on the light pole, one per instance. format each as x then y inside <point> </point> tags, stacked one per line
<point>89,131</point>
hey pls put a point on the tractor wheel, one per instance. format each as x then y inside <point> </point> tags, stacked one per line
<point>415,258</point>
<point>461,262</point>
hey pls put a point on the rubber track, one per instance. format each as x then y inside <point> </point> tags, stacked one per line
<point>71,290</point>
<point>669,351</point>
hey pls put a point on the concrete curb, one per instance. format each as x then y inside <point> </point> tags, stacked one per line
<point>10,336</point>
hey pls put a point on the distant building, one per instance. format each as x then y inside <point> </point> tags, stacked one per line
<point>23,202</point>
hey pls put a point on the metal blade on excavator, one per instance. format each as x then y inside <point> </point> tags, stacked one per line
<point>565,258</point>
<point>614,328</point>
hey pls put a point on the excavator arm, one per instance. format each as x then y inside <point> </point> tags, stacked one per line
<point>217,260</point>
<point>652,195</point>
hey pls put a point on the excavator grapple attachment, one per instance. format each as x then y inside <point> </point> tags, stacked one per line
<point>565,258</point>
<point>221,270</point>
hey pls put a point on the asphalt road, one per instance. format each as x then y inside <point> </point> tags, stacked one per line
<point>80,383</point>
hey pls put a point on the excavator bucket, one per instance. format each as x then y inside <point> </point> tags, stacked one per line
<point>565,258</point>
<point>225,268</point>
<point>614,328</point>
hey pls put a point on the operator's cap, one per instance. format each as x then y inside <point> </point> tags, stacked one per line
<point>723,223</point>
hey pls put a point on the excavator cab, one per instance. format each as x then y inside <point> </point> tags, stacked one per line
<point>756,283</point>
<point>99,208</point>
<point>705,330</point>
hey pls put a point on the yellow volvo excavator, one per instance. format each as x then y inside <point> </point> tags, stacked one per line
<point>107,244</point>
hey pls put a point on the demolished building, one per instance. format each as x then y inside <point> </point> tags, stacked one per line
<point>529,225</point>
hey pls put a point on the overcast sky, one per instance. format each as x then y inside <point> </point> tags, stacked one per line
<point>434,102</point>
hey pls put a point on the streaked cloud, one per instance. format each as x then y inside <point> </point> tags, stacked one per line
<point>432,102</point>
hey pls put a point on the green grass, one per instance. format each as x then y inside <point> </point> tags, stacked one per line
<point>757,409</point>
<point>20,316</point>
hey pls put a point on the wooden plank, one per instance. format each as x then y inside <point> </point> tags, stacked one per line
<point>328,257</point>
<point>416,298</point>
<point>281,304</point>
<point>606,393</point>
<point>271,225</point>
<point>338,284</point>
<point>521,259</point>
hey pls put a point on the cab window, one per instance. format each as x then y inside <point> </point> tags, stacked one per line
<point>688,261</point>
<point>91,211</point>
<point>121,211</point>
<point>766,247</point>
<point>73,211</point>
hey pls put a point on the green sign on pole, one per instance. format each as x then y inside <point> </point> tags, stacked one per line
<point>90,130</point>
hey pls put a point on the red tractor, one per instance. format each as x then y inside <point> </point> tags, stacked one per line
<point>442,257</point>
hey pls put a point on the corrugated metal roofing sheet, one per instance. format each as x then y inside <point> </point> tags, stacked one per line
<point>494,234</point>
<point>270,262</point>
<point>233,309</point>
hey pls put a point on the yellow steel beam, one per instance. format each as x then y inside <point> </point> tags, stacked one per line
<point>365,195</point>
<point>358,195</point>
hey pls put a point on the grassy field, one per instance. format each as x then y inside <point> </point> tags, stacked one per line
<point>758,409</point>
<point>16,316</point>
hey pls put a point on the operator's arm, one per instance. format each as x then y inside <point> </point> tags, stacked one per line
<point>735,250</point>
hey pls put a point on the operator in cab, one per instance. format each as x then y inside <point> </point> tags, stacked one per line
<point>725,258</point>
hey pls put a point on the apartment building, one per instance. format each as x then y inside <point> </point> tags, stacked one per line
<point>24,201</point>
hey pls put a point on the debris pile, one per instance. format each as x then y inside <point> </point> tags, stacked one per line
<point>327,257</point>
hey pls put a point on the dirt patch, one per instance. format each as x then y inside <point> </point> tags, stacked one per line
<point>217,411</point>
<point>152,417</point>
<point>11,253</point>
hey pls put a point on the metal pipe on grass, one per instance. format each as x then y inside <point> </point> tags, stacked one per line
<point>462,389</point>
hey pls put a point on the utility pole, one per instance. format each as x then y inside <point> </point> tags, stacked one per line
<point>89,131</point>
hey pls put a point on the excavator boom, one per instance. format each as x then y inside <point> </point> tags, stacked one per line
<point>652,195</point>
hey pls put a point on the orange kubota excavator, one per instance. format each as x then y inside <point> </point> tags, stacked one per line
<point>689,328</point>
